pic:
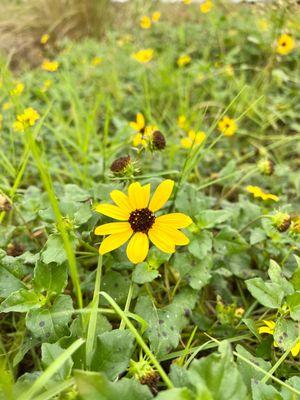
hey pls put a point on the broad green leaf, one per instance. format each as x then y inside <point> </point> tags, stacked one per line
<point>113,352</point>
<point>116,285</point>
<point>267,293</point>
<point>8,282</point>
<point>143,274</point>
<point>50,277</point>
<point>50,352</point>
<point>176,394</point>
<point>201,245</point>
<point>286,333</point>
<point>22,300</point>
<point>208,219</point>
<point>257,235</point>
<point>276,276</point>
<point>261,391</point>
<point>51,323</point>
<point>293,301</point>
<point>95,386</point>
<point>229,241</point>
<point>54,250</point>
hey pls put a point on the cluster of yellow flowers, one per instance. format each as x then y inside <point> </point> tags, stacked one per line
<point>25,120</point>
<point>192,138</point>
<point>205,6</point>
<point>146,21</point>
<point>183,60</point>
<point>50,66</point>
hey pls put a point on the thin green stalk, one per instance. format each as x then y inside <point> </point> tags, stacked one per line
<point>275,366</point>
<point>47,182</point>
<point>91,333</point>
<point>42,380</point>
<point>57,389</point>
<point>139,340</point>
<point>127,305</point>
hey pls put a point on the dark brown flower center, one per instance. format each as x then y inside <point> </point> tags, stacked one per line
<point>141,220</point>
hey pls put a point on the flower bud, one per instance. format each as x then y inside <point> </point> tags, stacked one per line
<point>145,373</point>
<point>281,221</point>
<point>266,167</point>
<point>158,141</point>
<point>122,166</point>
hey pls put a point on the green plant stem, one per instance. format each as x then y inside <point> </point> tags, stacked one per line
<point>139,339</point>
<point>91,333</point>
<point>253,221</point>
<point>127,305</point>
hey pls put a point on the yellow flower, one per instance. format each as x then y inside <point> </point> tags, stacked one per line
<point>269,328</point>
<point>193,139</point>
<point>182,122</point>
<point>26,119</point>
<point>139,223</point>
<point>96,61</point>
<point>17,90</point>
<point>258,192</point>
<point>143,56</point>
<point>183,60</point>
<point>7,105</point>
<point>44,38</point>
<point>50,66</point>
<point>285,44</point>
<point>139,124</point>
<point>295,226</point>
<point>229,71</point>
<point>186,1</point>
<point>263,25</point>
<point>206,6</point>
<point>227,126</point>
<point>156,16</point>
<point>47,84</point>
<point>145,22</point>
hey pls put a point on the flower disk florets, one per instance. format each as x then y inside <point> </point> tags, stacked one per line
<point>141,220</point>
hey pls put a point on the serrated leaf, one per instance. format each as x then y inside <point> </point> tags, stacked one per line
<point>267,293</point>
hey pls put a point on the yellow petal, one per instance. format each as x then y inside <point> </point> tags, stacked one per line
<point>138,195</point>
<point>134,126</point>
<point>140,120</point>
<point>175,220</point>
<point>121,200</point>
<point>161,195</point>
<point>265,329</point>
<point>175,235</point>
<point>114,241</point>
<point>137,248</point>
<point>112,228</point>
<point>112,211</point>
<point>161,240</point>
<point>270,324</point>
<point>295,350</point>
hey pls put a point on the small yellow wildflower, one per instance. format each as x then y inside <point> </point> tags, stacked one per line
<point>7,105</point>
<point>206,6</point>
<point>229,71</point>
<point>186,1</point>
<point>46,86</point>
<point>263,25</point>
<point>269,328</point>
<point>50,66</point>
<point>258,192</point>
<point>139,123</point>
<point>182,122</point>
<point>45,38</point>
<point>156,16</point>
<point>139,223</point>
<point>285,44</point>
<point>227,126</point>
<point>96,61</point>
<point>17,90</point>
<point>183,60</point>
<point>144,136</point>
<point>193,139</point>
<point>26,119</point>
<point>143,56</point>
<point>145,22</point>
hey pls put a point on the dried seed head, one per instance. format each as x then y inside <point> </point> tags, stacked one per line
<point>5,204</point>
<point>281,221</point>
<point>145,373</point>
<point>266,167</point>
<point>158,141</point>
<point>121,166</point>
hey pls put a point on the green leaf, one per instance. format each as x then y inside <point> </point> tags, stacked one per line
<point>22,300</point>
<point>229,241</point>
<point>113,352</point>
<point>95,386</point>
<point>51,323</point>
<point>261,391</point>
<point>276,276</point>
<point>50,277</point>
<point>165,324</point>
<point>247,371</point>
<point>116,285</point>
<point>268,294</point>
<point>293,301</point>
<point>257,235</point>
<point>200,275</point>
<point>143,274</point>
<point>50,352</point>
<point>176,394</point>
<point>8,282</point>
<point>208,219</point>
<point>54,249</point>
<point>202,245</point>
<point>286,333</point>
